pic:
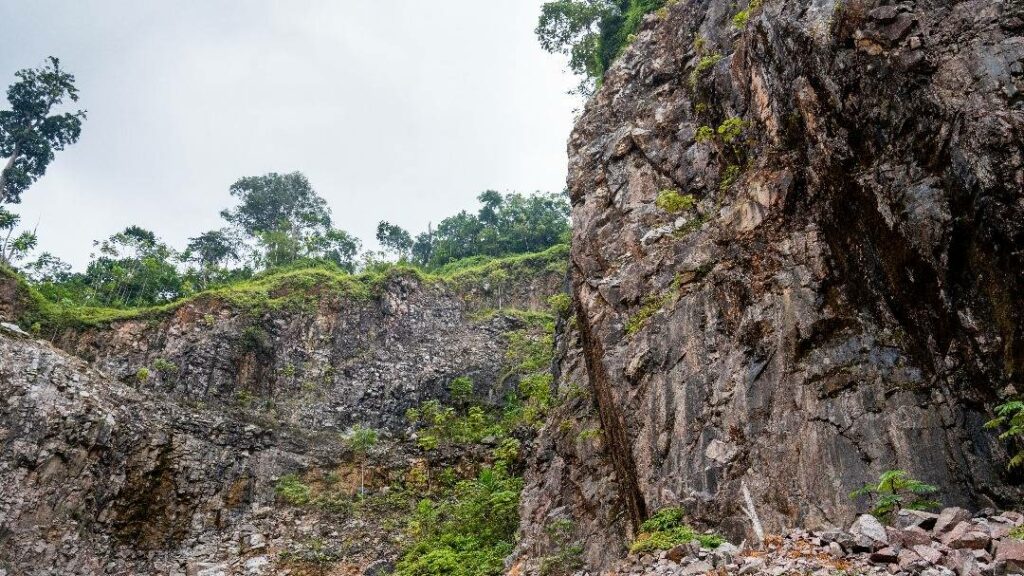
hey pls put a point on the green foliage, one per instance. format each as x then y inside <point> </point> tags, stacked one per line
<point>666,530</point>
<point>504,224</point>
<point>468,534</point>
<point>529,356</point>
<point>650,306</point>
<point>591,32</point>
<point>142,374</point>
<point>704,134</point>
<point>394,239</point>
<point>731,129</point>
<point>1017,532</point>
<point>673,202</point>
<point>896,490</point>
<point>729,176</point>
<point>461,389</point>
<point>560,304</point>
<point>743,16</point>
<point>568,554</point>
<point>292,490</point>
<point>705,64</point>
<point>664,519</point>
<point>164,366</point>
<point>361,440</point>
<point>1011,415</point>
<point>14,248</point>
<point>30,133</point>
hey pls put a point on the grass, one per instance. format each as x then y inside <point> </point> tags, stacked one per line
<point>301,288</point>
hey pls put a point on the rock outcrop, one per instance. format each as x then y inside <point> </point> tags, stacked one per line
<point>208,437</point>
<point>796,262</point>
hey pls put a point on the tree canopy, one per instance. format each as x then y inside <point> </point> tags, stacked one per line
<point>591,32</point>
<point>504,224</point>
<point>30,133</point>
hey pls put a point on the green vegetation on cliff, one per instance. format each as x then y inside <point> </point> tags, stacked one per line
<point>298,287</point>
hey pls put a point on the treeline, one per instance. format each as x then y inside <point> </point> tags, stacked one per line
<point>280,221</point>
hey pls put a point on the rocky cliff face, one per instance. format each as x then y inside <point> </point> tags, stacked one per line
<point>796,263</point>
<point>208,438</point>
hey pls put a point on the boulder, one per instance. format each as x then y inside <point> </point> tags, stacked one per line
<point>1011,552</point>
<point>908,518</point>
<point>868,533</point>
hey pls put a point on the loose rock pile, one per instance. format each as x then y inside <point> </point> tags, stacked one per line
<point>950,543</point>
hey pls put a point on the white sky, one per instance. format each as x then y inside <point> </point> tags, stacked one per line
<point>401,110</point>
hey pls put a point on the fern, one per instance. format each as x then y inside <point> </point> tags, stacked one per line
<point>897,490</point>
<point>1011,415</point>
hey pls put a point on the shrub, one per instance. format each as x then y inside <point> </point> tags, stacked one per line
<point>704,134</point>
<point>664,519</point>
<point>469,534</point>
<point>461,389</point>
<point>707,62</point>
<point>142,374</point>
<point>673,202</point>
<point>666,530</point>
<point>164,366</point>
<point>1011,415</point>
<point>896,490</point>
<point>291,489</point>
<point>561,304</point>
<point>731,129</point>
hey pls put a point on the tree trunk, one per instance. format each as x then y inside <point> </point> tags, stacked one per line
<point>3,173</point>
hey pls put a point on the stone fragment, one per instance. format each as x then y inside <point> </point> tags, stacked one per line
<point>907,518</point>
<point>929,554</point>
<point>1011,552</point>
<point>886,555</point>
<point>948,519</point>
<point>698,567</point>
<point>868,533</point>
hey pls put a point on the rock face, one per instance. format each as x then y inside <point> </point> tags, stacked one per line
<point>842,296</point>
<point>162,446</point>
<point>323,358</point>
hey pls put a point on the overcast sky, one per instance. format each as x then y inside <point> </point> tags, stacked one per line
<point>401,110</point>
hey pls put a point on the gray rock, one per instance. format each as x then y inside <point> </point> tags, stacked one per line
<point>868,533</point>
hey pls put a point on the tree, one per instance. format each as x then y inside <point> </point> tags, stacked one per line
<point>394,239</point>
<point>361,440</point>
<point>133,269</point>
<point>335,246</point>
<point>29,133</point>
<point>17,247</point>
<point>591,32</point>
<point>281,212</point>
<point>211,252</point>
<point>894,491</point>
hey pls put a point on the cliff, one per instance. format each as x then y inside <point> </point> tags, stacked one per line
<point>796,263</point>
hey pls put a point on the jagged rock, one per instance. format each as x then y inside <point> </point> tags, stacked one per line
<point>698,567</point>
<point>919,518</point>
<point>836,304</point>
<point>1010,552</point>
<point>965,535</point>
<point>949,518</point>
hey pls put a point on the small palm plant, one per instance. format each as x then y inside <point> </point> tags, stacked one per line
<point>897,490</point>
<point>1010,414</point>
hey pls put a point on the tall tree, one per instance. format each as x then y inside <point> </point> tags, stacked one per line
<point>394,239</point>
<point>211,252</point>
<point>30,133</point>
<point>281,212</point>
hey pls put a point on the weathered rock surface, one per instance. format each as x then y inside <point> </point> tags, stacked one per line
<point>176,471</point>
<point>843,296</point>
<point>324,360</point>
